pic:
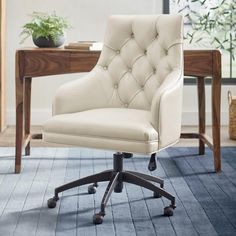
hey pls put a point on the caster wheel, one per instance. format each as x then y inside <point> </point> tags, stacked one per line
<point>127,155</point>
<point>168,211</point>
<point>97,219</point>
<point>118,188</point>
<point>156,195</point>
<point>92,189</point>
<point>52,203</point>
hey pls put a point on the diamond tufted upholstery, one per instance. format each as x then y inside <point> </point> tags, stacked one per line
<point>132,100</point>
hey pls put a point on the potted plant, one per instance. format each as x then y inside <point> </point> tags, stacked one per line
<point>46,30</point>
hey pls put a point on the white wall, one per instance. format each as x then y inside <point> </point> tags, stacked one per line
<point>88,18</point>
<point>190,105</point>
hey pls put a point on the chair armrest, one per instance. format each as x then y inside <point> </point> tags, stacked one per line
<point>79,95</point>
<point>166,108</point>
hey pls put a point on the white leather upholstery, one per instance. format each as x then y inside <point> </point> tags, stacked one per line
<point>132,100</point>
<point>109,128</point>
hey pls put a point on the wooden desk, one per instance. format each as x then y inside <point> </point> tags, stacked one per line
<point>35,62</point>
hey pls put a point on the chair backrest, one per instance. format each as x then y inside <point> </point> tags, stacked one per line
<point>139,52</point>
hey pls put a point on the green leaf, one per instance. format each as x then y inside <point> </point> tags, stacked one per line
<point>198,40</point>
<point>214,8</point>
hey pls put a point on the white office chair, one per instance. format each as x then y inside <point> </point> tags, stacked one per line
<point>131,102</point>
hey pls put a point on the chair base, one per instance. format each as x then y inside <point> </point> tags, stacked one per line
<point>116,177</point>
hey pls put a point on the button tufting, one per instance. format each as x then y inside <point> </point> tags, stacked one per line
<point>154,70</point>
<point>126,104</point>
<point>130,70</point>
<point>116,86</point>
<point>105,67</point>
<point>145,52</point>
<point>142,87</point>
<point>118,52</point>
<point>157,35</point>
<point>132,35</point>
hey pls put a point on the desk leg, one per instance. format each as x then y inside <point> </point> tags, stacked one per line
<point>216,101</point>
<point>201,112</point>
<point>19,113</point>
<point>216,105</point>
<point>27,111</point>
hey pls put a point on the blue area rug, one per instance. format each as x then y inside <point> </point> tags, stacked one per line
<point>206,201</point>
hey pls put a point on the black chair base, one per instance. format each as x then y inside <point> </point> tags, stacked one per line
<point>116,177</point>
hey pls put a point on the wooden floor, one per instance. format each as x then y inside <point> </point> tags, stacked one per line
<point>206,201</point>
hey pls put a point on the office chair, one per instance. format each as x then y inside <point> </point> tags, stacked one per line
<point>131,102</point>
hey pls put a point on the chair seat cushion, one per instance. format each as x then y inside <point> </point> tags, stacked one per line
<point>98,126</point>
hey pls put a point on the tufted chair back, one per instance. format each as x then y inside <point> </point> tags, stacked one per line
<point>138,54</point>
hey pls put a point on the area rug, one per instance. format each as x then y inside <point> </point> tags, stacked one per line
<point>206,201</point>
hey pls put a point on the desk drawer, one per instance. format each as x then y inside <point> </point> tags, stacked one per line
<point>83,61</point>
<point>41,63</point>
<point>198,63</point>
